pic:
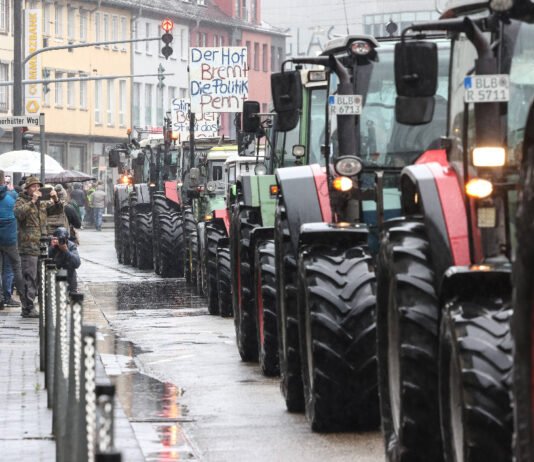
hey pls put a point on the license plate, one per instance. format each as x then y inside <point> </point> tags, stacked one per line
<point>487,88</point>
<point>345,104</point>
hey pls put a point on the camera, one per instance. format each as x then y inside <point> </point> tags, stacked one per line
<point>45,191</point>
<point>62,240</point>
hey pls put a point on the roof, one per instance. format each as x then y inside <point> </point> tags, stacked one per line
<point>222,152</point>
<point>243,159</point>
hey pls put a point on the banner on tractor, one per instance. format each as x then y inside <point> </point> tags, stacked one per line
<point>206,124</point>
<point>218,79</point>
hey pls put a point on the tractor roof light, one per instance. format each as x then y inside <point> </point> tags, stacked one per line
<point>489,157</point>
<point>175,135</point>
<point>299,151</point>
<point>348,166</point>
<point>343,184</point>
<point>478,188</point>
<point>360,48</point>
<point>316,76</point>
<point>501,5</point>
<point>260,169</point>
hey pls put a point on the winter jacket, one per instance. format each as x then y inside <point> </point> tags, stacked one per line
<point>69,260</point>
<point>99,198</point>
<point>8,222</point>
<point>78,196</point>
<point>89,195</point>
<point>32,221</point>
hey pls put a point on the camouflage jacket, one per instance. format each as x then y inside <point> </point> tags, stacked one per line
<point>32,222</point>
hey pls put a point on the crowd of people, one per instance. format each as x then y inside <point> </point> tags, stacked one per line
<point>30,211</point>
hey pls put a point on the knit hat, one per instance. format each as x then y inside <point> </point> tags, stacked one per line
<point>32,180</point>
<point>61,193</point>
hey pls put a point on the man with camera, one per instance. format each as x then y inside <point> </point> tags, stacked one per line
<point>31,210</point>
<point>65,255</point>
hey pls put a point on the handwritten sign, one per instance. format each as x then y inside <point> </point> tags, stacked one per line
<point>218,79</point>
<point>206,124</point>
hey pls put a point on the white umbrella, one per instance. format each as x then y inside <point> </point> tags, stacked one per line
<point>28,162</point>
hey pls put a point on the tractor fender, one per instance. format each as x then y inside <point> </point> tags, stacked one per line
<point>345,235</point>
<point>488,279</point>
<point>245,189</point>
<point>222,215</point>
<point>121,196</point>
<point>301,200</point>
<point>171,191</point>
<point>433,191</point>
<point>142,193</point>
<point>261,233</point>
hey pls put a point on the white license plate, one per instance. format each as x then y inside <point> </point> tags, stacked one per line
<point>345,104</point>
<point>487,88</point>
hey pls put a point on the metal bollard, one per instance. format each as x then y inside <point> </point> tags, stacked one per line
<point>43,256</point>
<point>50,323</point>
<point>104,424</point>
<point>75,366</point>
<point>86,444</point>
<point>61,365</point>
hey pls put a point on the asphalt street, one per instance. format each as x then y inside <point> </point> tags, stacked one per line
<point>180,380</point>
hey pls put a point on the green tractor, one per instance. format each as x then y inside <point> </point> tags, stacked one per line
<point>290,142</point>
<point>327,225</point>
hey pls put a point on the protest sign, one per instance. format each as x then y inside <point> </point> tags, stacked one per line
<point>206,125</point>
<point>218,79</point>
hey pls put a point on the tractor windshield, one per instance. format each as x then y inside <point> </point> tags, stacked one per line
<point>383,142</point>
<point>316,125</point>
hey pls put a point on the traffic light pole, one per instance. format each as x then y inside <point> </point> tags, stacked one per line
<point>42,144</point>
<point>17,70</point>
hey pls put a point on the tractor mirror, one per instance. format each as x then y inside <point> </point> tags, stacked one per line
<point>140,160</point>
<point>194,176</point>
<point>286,88</point>
<point>251,120</point>
<point>414,111</point>
<point>416,68</point>
<point>287,120</point>
<point>167,158</point>
<point>114,158</point>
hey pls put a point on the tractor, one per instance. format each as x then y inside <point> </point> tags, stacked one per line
<point>327,224</point>
<point>291,141</point>
<point>444,270</point>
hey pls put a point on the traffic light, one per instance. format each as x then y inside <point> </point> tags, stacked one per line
<point>46,74</point>
<point>27,138</point>
<point>167,26</point>
<point>161,77</point>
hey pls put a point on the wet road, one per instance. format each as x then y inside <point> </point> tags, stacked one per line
<point>180,380</point>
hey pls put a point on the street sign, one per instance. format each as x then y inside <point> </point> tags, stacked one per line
<point>19,121</point>
<point>167,25</point>
<point>33,41</point>
<point>487,88</point>
<point>345,104</point>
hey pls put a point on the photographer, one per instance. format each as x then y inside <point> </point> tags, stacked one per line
<point>65,256</point>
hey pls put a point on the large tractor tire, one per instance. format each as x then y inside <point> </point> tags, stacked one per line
<point>287,315</point>
<point>244,220</point>
<point>170,244</point>
<point>475,379</point>
<point>224,281</point>
<point>265,296</point>
<point>337,330</point>
<point>407,334</point>
<point>133,240</point>
<point>213,233</point>
<point>125,238</point>
<point>159,206</point>
<point>191,246</point>
<point>143,237</point>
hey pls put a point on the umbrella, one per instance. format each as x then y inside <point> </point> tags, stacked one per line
<point>28,162</point>
<point>68,176</point>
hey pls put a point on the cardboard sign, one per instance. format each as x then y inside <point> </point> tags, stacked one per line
<point>218,79</point>
<point>206,124</point>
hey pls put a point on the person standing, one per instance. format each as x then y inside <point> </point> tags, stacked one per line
<point>78,195</point>
<point>8,245</point>
<point>90,219</point>
<point>99,202</point>
<point>31,213</point>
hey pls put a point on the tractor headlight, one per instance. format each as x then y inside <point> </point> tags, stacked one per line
<point>343,184</point>
<point>478,188</point>
<point>360,48</point>
<point>348,166</point>
<point>501,5</point>
<point>211,186</point>
<point>489,157</point>
<point>260,169</point>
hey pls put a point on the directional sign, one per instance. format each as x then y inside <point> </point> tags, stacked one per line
<point>167,25</point>
<point>19,121</point>
<point>487,88</point>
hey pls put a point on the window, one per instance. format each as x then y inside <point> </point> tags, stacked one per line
<point>58,92</point>
<point>46,96</point>
<point>124,32</point>
<point>248,53</point>
<point>46,18</point>
<point>111,103</point>
<point>273,60</point>
<point>265,57</point>
<point>245,11</point>
<point>83,92</point>
<point>122,103</point>
<point>254,11</point>
<point>148,104</point>
<point>136,105</point>
<point>71,92</point>
<point>71,23</point>
<point>159,107</point>
<point>76,157</point>
<point>256,56</point>
<point>136,35</point>
<point>97,27</point>
<point>83,25</point>
<point>58,22</point>
<point>115,30</point>
<point>57,152</point>
<point>183,92</point>
<point>106,28</point>
<point>171,94</point>
<point>183,52</point>
<point>237,8</point>
<point>98,102</point>
<point>4,16</point>
<point>147,35</point>
<point>202,39</point>
<point>4,94</point>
